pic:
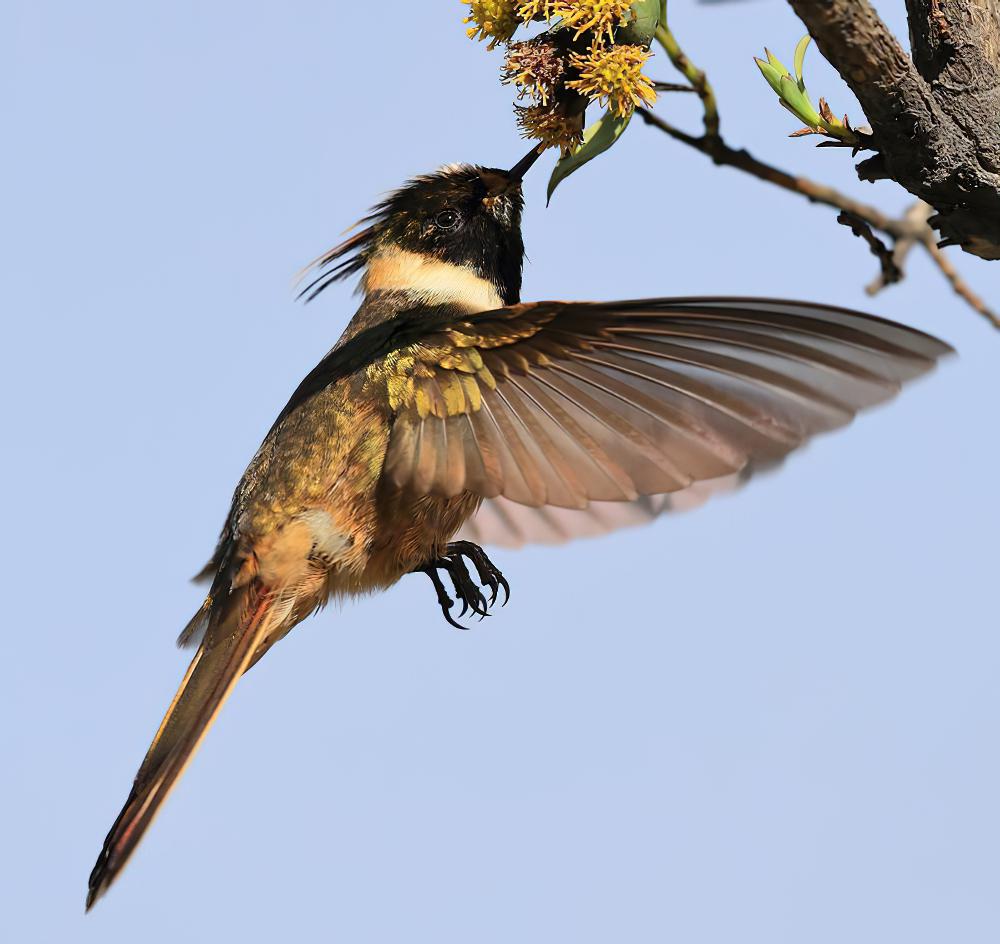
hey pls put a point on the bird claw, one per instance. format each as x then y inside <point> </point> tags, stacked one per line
<point>489,574</point>
<point>468,592</point>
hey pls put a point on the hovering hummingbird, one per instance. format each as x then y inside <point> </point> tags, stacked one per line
<point>449,404</point>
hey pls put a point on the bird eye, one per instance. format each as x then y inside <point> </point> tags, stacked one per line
<point>446,219</point>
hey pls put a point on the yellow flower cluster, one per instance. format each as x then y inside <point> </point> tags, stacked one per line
<point>613,75</point>
<point>550,128</point>
<point>559,81</point>
<point>529,10</point>
<point>598,16</point>
<point>496,19</point>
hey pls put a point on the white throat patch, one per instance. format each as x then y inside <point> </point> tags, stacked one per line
<point>436,282</point>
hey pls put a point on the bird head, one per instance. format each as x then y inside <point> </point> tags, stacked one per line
<point>461,222</point>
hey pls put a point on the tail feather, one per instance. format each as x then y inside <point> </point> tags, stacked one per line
<point>232,638</point>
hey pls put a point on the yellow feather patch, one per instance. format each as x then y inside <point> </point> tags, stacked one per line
<point>487,378</point>
<point>454,395</point>
<point>422,401</point>
<point>472,393</point>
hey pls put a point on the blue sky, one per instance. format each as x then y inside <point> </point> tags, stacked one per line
<point>771,720</point>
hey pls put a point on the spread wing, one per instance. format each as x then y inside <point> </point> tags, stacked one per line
<point>565,404</point>
<point>503,523</point>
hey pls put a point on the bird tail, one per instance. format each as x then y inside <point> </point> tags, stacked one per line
<point>236,629</point>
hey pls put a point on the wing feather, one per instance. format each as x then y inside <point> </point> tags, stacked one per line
<point>699,448</point>
<point>650,470</point>
<point>504,523</point>
<point>596,473</point>
<point>567,417</point>
<point>612,483</point>
<point>561,486</point>
<point>431,453</point>
<point>482,473</point>
<point>522,477</point>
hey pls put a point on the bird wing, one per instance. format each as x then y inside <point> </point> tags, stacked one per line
<point>562,404</point>
<point>503,523</point>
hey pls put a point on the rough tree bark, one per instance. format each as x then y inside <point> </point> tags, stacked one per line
<point>935,118</point>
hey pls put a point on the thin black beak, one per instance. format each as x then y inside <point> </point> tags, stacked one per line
<point>499,182</point>
<point>517,172</point>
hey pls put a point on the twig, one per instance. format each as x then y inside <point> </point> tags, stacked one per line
<point>721,153</point>
<point>958,284</point>
<point>673,87</point>
<point>891,272</point>
<point>933,112</point>
<point>917,215</point>
<point>694,75</point>
<point>906,231</point>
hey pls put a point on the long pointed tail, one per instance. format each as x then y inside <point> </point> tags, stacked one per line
<point>232,638</point>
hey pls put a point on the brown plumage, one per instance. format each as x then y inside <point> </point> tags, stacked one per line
<point>449,405</point>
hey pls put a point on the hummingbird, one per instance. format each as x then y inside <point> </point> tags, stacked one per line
<point>451,414</point>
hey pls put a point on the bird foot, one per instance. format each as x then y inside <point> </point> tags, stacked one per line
<point>469,593</point>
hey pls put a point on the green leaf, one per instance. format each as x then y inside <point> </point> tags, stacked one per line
<point>799,102</point>
<point>775,61</point>
<point>639,32</point>
<point>772,75</point>
<point>596,140</point>
<point>800,54</point>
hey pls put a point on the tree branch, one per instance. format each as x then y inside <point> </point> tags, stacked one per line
<point>672,87</point>
<point>906,231</point>
<point>959,285</point>
<point>890,271</point>
<point>912,229</point>
<point>721,153</point>
<point>917,216</point>
<point>935,121</point>
<point>694,75</point>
